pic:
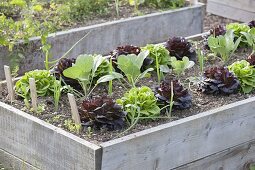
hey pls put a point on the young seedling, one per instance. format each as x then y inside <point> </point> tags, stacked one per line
<point>179,66</point>
<point>57,92</point>
<point>160,55</point>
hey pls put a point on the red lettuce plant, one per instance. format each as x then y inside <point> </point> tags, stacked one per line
<point>102,112</point>
<point>182,99</point>
<point>251,24</point>
<point>180,47</point>
<point>63,64</point>
<point>219,80</point>
<point>251,59</point>
<point>218,30</point>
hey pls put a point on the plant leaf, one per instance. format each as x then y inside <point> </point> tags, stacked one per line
<point>112,76</point>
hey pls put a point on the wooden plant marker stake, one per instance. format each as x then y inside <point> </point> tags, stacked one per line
<point>7,72</point>
<point>74,109</point>
<point>33,93</point>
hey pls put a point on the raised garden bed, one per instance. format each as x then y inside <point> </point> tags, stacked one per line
<point>104,37</point>
<point>239,10</point>
<point>221,138</point>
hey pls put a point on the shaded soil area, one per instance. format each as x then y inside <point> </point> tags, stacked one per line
<point>200,103</point>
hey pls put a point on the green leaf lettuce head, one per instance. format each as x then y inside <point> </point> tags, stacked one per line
<point>237,28</point>
<point>158,50</point>
<point>245,74</point>
<point>142,98</point>
<point>43,80</point>
<point>224,46</point>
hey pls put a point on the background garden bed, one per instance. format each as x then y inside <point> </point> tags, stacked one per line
<point>103,38</point>
<point>240,10</point>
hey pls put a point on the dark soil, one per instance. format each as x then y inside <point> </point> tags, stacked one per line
<point>200,103</point>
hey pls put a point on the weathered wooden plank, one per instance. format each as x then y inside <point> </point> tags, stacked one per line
<point>236,158</point>
<point>230,12</point>
<point>180,142</point>
<point>13,163</point>
<point>74,109</point>
<point>43,145</point>
<point>245,5</point>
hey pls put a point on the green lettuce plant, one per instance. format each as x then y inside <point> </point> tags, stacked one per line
<point>250,38</point>
<point>245,74</point>
<point>139,103</point>
<point>43,80</point>
<point>237,28</point>
<point>161,58</point>
<point>131,65</point>
<point>87,68</point>
<point>179,66</point>
<point>224,45</point>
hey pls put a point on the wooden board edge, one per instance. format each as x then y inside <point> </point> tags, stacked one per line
<point>244,6</point>
<point>51,127</point>
<point>175,123</point>
<point>233,13</point>
<point>13,162</point>
<point>224,153</point>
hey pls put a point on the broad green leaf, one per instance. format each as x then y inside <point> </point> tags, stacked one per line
<point>98,60</point>
<point>164,68</point>
<point>128,66</point>
<point>140,58</point>
<point>85,62</point>
<point>109,77</point>
<point>73,72</point>
<point>145,73</point>
<point>81,70</point>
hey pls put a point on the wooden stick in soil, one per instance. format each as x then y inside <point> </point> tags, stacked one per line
<point>74,109</point>
<point>7,72</point>
<point>33,93</point>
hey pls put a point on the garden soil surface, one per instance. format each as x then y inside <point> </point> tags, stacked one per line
<point>200,103</point>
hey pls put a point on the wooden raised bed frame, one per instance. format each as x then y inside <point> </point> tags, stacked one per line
<point>222,138</point>
<point>239,10</point>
